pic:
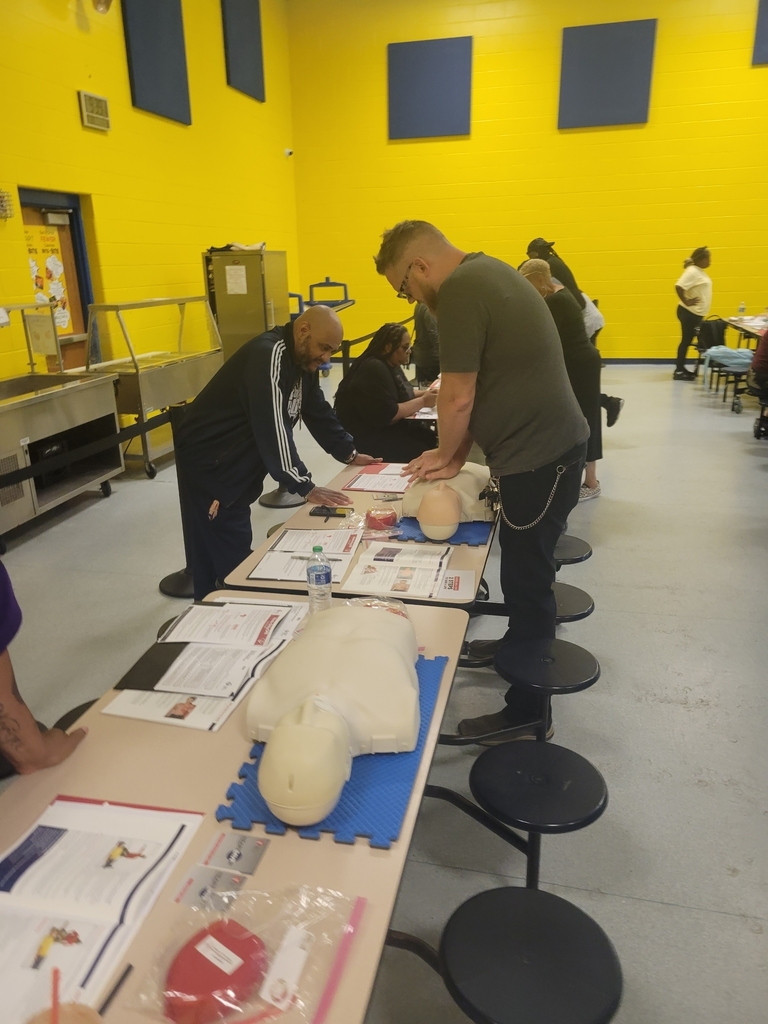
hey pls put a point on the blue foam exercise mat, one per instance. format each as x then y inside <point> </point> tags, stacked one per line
<point>373,801</point>
<point>473,534</point>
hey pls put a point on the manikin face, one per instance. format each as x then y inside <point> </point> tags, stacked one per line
<point>313,347</point>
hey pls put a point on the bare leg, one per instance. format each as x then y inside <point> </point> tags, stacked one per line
<point>590,475</point>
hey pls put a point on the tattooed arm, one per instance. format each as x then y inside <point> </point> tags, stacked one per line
<point>20,739</point>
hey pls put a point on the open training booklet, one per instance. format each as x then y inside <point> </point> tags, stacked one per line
<point>74,891</point>
<point>401,570</point>
<point>290,551</point>
<point>379,476</point>
<point>209,658</point>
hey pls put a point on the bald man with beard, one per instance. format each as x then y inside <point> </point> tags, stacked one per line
<point>239,429</point>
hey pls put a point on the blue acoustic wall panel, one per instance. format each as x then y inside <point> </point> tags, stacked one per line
<point>430,88</point>
<point>760,52</point>
<point>242,46</point>
<point>605,75</point>
<point>157,61</point>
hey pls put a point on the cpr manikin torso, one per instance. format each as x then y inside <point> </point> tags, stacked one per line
<point>346,686</point>
<point>440,505</point>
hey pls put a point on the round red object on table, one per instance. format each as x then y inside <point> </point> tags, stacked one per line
<point>207,984</point>
<point>383,518</point>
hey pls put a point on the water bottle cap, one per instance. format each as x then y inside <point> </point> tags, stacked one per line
<point>318,547</point>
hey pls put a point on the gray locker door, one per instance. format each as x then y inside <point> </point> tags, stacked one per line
<point>240,309</point>
<point>276,288</point>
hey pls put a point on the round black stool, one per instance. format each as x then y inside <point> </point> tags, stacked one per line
<point>570,550</point>
<point>522,956</point>
<point>572,604</point>
<point>274,528</point>
<point>281,497</point>
<point>540,788</point>
<point>178,584</point>
<point>547,666</point>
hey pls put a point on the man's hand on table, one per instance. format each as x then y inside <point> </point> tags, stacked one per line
<point>325,496</point>
<point>363,460</point>
<point>55,747</point>
<point>432,465</point>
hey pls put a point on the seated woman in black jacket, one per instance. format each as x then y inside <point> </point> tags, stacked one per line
<point>374,400</point>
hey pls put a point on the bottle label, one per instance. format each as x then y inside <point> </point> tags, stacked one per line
<point>319,576</point>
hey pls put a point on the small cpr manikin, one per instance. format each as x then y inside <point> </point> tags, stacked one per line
<point>440,505</point>
<point>346,686</point>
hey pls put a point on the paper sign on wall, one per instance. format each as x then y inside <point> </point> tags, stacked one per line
<point>236,280</point>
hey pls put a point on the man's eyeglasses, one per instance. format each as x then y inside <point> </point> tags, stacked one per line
<point>403,292</point>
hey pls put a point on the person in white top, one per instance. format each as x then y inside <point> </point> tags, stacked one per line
<point>694,290</point>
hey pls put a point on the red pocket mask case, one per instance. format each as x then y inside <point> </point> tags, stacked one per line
<point>214,973</point>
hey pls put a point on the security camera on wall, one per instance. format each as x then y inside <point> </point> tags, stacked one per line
<point>288,152</point>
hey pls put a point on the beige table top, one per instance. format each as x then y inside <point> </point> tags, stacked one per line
<point>462,555</point>
<point>147,763</point>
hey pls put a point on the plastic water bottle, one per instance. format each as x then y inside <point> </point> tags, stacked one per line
<point>319,575</point>
<point>742,308</point>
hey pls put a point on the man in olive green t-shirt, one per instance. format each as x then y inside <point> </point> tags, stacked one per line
<point>504,385</point>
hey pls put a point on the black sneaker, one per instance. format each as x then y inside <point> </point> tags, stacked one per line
<point>683,375</point>
<point>480,653</point>
<point>613,407</point>
<point>491,730</point>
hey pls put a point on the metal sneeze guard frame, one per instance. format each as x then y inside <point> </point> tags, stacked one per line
<point>160,383</point>
<point>38,307</point>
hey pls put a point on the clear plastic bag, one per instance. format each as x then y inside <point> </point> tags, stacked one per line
<point>386,604</point>
<point>357,521</point>
<point>268,956</point>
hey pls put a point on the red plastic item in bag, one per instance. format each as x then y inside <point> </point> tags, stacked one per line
<point>214,973</point>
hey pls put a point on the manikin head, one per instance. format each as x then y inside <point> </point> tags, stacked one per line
<point>317,334</point>
<point>306,763</point>
<point>439,513</point>
<point>416,258</point>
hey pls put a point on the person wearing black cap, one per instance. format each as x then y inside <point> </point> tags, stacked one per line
<point>540,249</point>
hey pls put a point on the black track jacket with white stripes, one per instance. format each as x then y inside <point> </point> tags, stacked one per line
<point>240,426</point>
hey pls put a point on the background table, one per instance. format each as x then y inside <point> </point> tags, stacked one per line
<point>462,555</point>
<point>162,766</point>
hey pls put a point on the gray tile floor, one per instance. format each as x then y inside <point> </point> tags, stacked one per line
<point>675,870</point>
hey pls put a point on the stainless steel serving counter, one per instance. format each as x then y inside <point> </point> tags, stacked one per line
<point>44,414</point>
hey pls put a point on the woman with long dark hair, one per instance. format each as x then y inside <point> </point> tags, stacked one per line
<point>374,400</point>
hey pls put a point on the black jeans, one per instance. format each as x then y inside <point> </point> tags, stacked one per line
<point>528,556</point>
<point>689,323</point>
<point>214,544</point>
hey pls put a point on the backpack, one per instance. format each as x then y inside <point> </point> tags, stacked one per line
<point>711,332</point>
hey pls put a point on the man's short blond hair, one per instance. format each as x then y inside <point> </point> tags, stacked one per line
<point>536,267</point>
<point>396,240</point>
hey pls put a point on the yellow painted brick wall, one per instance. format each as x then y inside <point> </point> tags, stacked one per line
<point>625,204</point>
<point>159,192</point>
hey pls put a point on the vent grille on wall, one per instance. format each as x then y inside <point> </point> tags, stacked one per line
<point>94,110</point>
<point>10,494</point>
